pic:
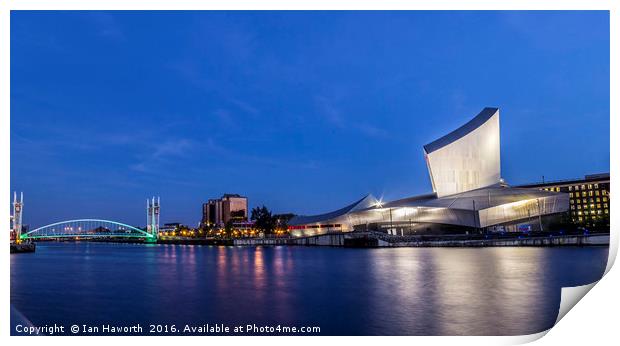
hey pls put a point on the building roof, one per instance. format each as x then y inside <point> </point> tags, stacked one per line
<point>364,203</point>
<point>462,131</point>
<point>600,177</point>
<point>483,198</point>
<point>228,195</point>
<point>409,201</point>
<point>488,197</point>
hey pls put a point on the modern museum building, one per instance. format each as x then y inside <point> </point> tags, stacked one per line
<point>468,194</point>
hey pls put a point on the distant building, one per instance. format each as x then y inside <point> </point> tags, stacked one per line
<point>588,198</point>
<point>211,212</point>
<point>170,227</point>
<point>230,207</point>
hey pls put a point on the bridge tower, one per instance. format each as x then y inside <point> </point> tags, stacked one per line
<point>152,219</point>
<point>18,208</point>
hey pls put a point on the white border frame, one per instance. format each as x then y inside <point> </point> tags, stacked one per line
<point>593,320</point>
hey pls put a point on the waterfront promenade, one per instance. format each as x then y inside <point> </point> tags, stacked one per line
<point>377,239</point>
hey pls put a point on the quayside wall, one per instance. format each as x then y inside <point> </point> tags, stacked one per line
<point>370,239</point>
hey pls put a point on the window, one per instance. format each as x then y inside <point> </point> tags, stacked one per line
<point>596,186</point>
<point>604,199</point>
<point>571,201</point>
<point>598,199</point>
<point>570,195</point>
<point>590,193</point>
<point>606,211</point>
<point>572,207</point>
<point>597,192</point>
<point>570,188</point>
<point>583,186</point>
<point>598,205</point>
<point>579,207</point>
<point>604,192</point>
<point>589,186</point>
<point>576,187</point>
<point>604,205</point>
<point>580,219</point>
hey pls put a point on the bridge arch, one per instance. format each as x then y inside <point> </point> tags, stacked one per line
<point>87,228</point>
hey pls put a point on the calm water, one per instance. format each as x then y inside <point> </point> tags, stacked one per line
<point>411,291</point>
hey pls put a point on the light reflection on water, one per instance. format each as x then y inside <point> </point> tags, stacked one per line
<point>411,291</point>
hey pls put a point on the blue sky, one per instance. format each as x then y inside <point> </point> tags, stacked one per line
<point>301,111</point>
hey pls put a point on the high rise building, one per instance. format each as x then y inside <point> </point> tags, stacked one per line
<point>230,207</point>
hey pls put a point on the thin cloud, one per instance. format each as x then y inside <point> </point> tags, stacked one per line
<point>244,106</point>
<point>333,116</point>
<point>108,26</point>
<point>163,153</point>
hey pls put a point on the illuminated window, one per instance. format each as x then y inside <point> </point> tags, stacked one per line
<point>584,200</point>
<point>579,207</point>
<point>598,212</point>
<point>585,206</point>
<point>585,212</point>
<point>604,192</point>
<point>606,211</point>
<point>570,188</point>
<point>570,195</point>
<point>598,205</point>
<point>604,199</point>
<point>604,205</point>
<point>596,186</point>
<point>590,193</point>
<point>571,201</point>
<point>598,199</point>
<point>572,207</point>
<point>583,187</point>
<point>576,187</point>
<point>580,218</point>
<point>578,213</point>
<point>597,192</point>
<point>589,186</point>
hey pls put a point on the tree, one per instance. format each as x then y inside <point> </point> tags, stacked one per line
<point>281,221</point>
<point>263,220</point>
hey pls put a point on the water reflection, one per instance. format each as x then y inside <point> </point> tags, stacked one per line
<point>410,291</point>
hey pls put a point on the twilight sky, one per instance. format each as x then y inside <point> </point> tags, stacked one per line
<point>304,112</point>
